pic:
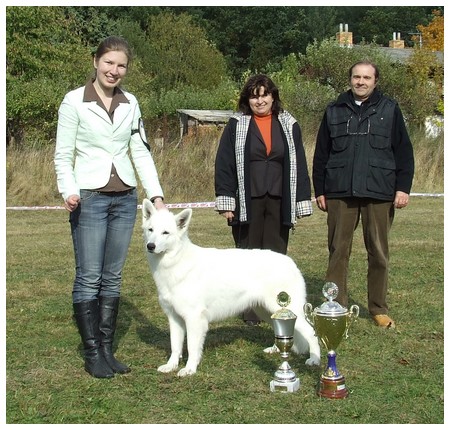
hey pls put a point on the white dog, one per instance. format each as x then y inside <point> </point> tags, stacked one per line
<point>197,286</point>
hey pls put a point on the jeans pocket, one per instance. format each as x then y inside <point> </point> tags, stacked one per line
<point>87,194</point>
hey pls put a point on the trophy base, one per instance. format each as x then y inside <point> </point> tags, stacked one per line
<point>285,386</point>
<point>332,388</point>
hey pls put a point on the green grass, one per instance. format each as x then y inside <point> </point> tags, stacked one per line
<point>394,376</point>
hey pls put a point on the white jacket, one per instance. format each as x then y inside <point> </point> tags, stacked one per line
<point>87,144</point>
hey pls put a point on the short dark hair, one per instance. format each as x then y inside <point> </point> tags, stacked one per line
<point>252,86</point>
<point>365,63</point>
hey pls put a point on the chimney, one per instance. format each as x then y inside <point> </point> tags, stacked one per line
<point>396,41</point>
<point>344,37</point>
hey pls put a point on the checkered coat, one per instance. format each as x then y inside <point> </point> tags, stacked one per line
<point>232,184</point>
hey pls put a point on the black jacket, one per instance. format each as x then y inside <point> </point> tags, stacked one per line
<point>230,178</point>
<point>363,151</point>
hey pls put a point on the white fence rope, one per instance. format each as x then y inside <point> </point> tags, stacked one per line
<point>177,205</point>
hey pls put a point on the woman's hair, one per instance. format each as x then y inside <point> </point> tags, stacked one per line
<point>252,87</point>
<point>113,43</point>
<point>364,63</point>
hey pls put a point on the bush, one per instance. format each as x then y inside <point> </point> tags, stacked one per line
<point>304,98</point>
<point>41,49</point>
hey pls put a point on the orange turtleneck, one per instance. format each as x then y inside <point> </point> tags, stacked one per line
<point>264,124</point>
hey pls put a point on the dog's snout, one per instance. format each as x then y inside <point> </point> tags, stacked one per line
<point>151,247</point>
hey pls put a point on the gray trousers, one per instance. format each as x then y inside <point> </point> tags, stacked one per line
<point>376,218</point>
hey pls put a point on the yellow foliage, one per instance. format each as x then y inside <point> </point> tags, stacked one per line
<point>433,33</point>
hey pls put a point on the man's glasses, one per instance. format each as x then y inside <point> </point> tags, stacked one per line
<point>359,132</point>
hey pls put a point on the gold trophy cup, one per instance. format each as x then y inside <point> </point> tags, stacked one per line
<point>331,322</point>
<point>283,323</point>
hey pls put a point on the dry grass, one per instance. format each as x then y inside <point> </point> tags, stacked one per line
<point>186,170</point>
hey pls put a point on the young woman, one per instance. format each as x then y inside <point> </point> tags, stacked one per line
<point>99,125</point>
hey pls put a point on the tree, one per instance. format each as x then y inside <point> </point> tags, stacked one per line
<point>250,37</point>
<point>92,24</point>
<point>433,33</point>
<point>42,47</point>
<point>377,23</point>
<point>320,23</point>
<point>180,54</point>
<point>424,88</point>
<point>176,66</point>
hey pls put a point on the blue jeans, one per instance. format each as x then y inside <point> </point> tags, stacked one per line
<point>102,227</point>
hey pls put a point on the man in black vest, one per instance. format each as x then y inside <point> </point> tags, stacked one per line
<point>363,168</point>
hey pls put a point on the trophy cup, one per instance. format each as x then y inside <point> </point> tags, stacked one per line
<point>331,322</point>
<point>283,322</point>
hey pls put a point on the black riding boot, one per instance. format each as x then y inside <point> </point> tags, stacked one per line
<point>87,319</point>
<point>109,307</point>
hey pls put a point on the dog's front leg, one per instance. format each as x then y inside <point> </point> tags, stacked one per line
<point>196,331</point>
<point>177,333</point>
<point>304,340</point>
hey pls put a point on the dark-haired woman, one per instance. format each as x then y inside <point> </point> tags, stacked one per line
<point>262,184</point>
<point>99,127</point>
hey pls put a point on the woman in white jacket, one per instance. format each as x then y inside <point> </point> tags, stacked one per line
<point>99,126</point>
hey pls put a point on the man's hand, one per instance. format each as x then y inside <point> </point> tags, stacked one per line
<point>401,199</point>
<point>321,202</point>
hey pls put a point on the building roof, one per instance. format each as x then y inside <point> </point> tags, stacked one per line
<point>190,119</point>
<point>402,54</point>
<point>207,116</point>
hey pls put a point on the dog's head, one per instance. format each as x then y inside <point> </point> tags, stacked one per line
<point>162,229</point>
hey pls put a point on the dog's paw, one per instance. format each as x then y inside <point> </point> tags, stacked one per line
<point>272,350</point>
<point>168,367</point>
<point>313,361</point>
<point>185,372</point>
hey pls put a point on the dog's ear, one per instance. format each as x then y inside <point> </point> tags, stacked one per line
<point>147,209</point>
<point>183,219</point>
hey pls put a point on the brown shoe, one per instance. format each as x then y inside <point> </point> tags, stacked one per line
<point>383,321</point>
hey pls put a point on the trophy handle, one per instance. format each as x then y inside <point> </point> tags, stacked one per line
<point>307,309</point>
<point>352,316</point>
<point>354,311</point>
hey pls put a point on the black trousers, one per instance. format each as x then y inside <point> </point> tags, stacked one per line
<point>265,231</point>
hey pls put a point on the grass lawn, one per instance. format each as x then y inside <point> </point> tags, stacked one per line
<point>394,376</point>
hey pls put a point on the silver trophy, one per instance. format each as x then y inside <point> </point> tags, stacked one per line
<point>283,322</point>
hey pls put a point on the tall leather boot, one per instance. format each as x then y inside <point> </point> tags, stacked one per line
<point>87,319</point>
<point>109,307</point>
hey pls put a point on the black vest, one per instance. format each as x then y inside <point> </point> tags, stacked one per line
<point>361,162</point>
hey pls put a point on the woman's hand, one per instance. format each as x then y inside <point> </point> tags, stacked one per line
<point>229,215</point>
<point>158,202</point>
<point>72,202</point>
